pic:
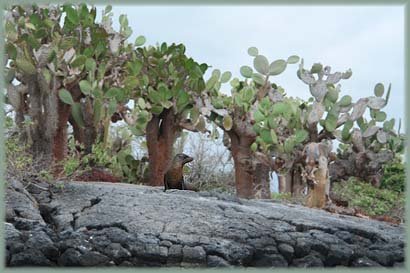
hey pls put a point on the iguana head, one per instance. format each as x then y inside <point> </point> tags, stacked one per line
<point>182,159</point>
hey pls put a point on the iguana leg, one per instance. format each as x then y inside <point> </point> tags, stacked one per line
<point>165,186</point>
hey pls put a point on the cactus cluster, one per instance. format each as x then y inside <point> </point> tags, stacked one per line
<point>253,102</point>
<point>344,113</point>
<point>165,79</point>
<point>375,134</point>
<point>75,58</point>
<point>85,72</point>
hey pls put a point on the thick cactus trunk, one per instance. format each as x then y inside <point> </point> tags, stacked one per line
<point>261,185</point>
<point>42,143</point>
<point>160,135</point>
<point>292,183</point>
<point>283,184</point>
<point>91,132</point>
<point>60,138</point>
<point>48,121</point>
<point>251,177</point>
<point>158,158</point>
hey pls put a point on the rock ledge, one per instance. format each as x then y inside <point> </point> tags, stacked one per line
<point>95,224</point>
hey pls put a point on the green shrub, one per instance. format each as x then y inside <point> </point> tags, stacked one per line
<point>21,165</point>
<point>368,199</point>
<point>71,164</point>
<point>120,163</point>
<point>130,169</point>
<point>281,196</point>
<point>46,175</point>
<point>394,176</point>
<point>18,159</point>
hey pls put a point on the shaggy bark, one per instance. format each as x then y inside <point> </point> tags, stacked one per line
<point>91,132</point>
<point>46,132</point>
<point>78,132</point>
<point>251,177</point>
<point>261,186</point>
<point>61,137</point>
<point>283,184</point>
<point>44,116</point>
<point>160,135</point>
<point>17,96</point>
<point>292,182</point>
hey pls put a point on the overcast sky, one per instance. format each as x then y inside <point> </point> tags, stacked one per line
<point>367,39</point>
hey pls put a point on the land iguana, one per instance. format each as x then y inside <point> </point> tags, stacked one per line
<point>174,177</point>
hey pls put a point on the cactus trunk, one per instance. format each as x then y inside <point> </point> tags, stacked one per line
<point>261,185</point>
<point>91,132</point>
<point>44,117</point>
<point>251,177</point>
<point>284,184</point>
<point>60,138</point>
<point>291,183</point>
<point>160,134</point>
<point>158,159</point>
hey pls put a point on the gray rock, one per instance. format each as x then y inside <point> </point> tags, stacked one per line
<point>126,263</point>
<point>115,234</point>
<point>216,261</point>
<point>385,258</point>
<point>117,252</point>
<point>175,254</point>
<point>339,255</point>
<point>93,258</point>
<point>320,247</point>
<point>11,233</point>
<point>15,247</point>
<point>44,244</point>
<point>80,244</point>
<point>287,251</point>
<point>26,224</point>
<point>23,205</point>
<point>282,237</point>
<point>194,255</point>
<point>96,224</point>
<point>70,257</point>
<point>269,260</point>
<point>30,257</point>
<point>303,246</point>
<point>311,260</point>
<point>365,262</point>
<point>165,243</point>
<point>151,251</point>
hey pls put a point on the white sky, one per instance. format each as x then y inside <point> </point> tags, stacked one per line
<point>367,39</point>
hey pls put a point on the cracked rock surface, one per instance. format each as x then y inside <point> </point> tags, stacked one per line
<point>96,224</point>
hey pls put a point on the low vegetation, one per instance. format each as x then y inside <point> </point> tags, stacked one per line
<point>370,200</point>
<point>394,177</point>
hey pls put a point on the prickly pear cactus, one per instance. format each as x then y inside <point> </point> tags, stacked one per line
<point>377,133</point>
<point>257,108</point>
<point>366,143</point>
<point>256,118</point>
<point>373,142</point>
<point>292,122</point>
<point>164,79</point>
<point>71,57</point>
<point>328,115</point>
